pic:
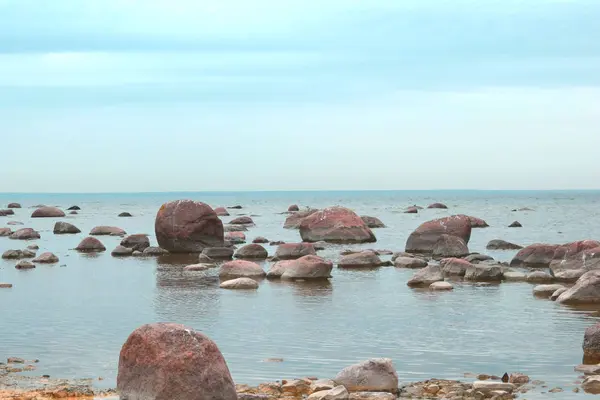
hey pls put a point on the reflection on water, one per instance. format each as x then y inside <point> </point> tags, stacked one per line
<point>75,319</point>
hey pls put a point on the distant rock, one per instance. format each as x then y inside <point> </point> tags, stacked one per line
<point>25,234</point>
<point>13,255</point>
<point>292,251</point>
<point>364,259</point>
<point>260,240</point>
<point>154,251</point>
<point>61,228</point>
<point>483,273</point>
<point>372,222</point>
<point>450,246</point>
<point>5,285</point>
<point>437,205</point>
<point>48,212</point>
<point>13,223</point>
<point>5,232</point>
<point>252,251</point>
<point>107,230</point>
<point>424,238</point>
<point>308,268</point>
<point>90,245</point>
<point>238,207</point>
<point>411,210</point>
<point>534,256</point>
<point>478,222</point>
<point>219,253</point>
<point>409,262</point>
<point>235,237</point>
<point>172,362</point>
<point>46,258</point>
<point>239,283</point>
<point>138,242</point>
<point>33,247</point>
<point>335,225</point>
<point>515,224</point>
<point>294,220</point>
<point>186,226</point>
<point>241,269</point>
<point>441,286</point>
<point>241,221</point>
<point>498,244</point>
<point>125,215</point>
<point>24,265</point>
<point>221,212</point>
<point>375,375</point>
<point>546,290</point>
<point>426,276</point>
<point>73,212</point>
<point>235,228</point>
<point>476,258</point>
<point>4,213</point>
<point>293,208</point>
<point>14,205</point>
<point>73,208</point>
<point>455,266</point>
<point>121,251</point>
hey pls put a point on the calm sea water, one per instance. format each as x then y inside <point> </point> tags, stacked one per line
<point>74,316</point>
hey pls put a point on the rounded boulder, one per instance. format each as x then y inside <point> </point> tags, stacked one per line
<point>335,225</point>
<point>307,267</point>
<point>241,269</point>
<point>48,212</point>
<point>292,251</point>
<point>252,251</point>
<point>424,238</point>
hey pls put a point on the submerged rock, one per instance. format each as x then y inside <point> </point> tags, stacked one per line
<point>241,269</point>
<point>24,265</point>
<point>378,375</point>
<point>252,251</point>
<point>218,253</point>
<point>235,228</point>
<point>335,225</point>
<point>411,210</point>
<point>121,251</point>
<point>106,231</point>
<point>241,221</point>
<point>186,226</point>
<point>139,242</point>
<point>308,268</point>
<point>437,205</point>
<point>125,215</point>
<point>90,245</point>
<point>171,361</point>
<point>25,234</point>
<point>424,238</point>
<point>372,222</point>
<point>292,251</point>
<point>498,244</point>
<point>239,283</point>
<point>46,258</point>
<point>61,228</point>
<point>426,276</point>
<point>48,212</point>
<point>12,255</point>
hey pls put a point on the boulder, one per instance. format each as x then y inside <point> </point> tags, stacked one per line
<point>5,232</point>
<point>483,273</point>
<point>25,234</point>
<point>277,269</point>
<point>90,245</point>
<point>585,291</point>
<point>14,205</point>
<point>581,255</point>
<point>172,362</point>
<point>546,290</point>
<point>252,251</point>
<point>61,228</point>
<point>121,251</point>
<point>154,251</point>
<point>138,242</point>
<point>48,212</point>
<point>125,215</point>
<point>364,259</point>
<point>242,221</point>
<point>260,240</point>
<point>335,225</point>
<point>478,222</point>
<point>441,286</point>
<point>411,210</point>
<point>221,212</point>
<point>591,345</point>
<point>107,230</point>
<point>12,223</point>
<point>4,213</point>
<point>557,293</point>
<point>24,265</point>
<point>293,208</point>
<point>376,375</point>
<point>534,256</point>
<point>476,258</point>
<point>437,205</point>
<point>409,262</point>
<point>539,277</point>
<point>450,246</point>
<point>426,276</point>
<point>292,251</point>
<point>198,267</point>
<point>241,269</point>
<point>515,224</point>
<point>294,220</point>
<point>337,393</point>
<point>455,266</point>
<point>498,244</point>
<point>235,237</point>
<point>218,253</point>
<point>73,208</point>
<point>372,222</point>
<point>514,276</point>
<point>46,258</point>
<point>591,384</point>
<point>186,226</point>
<point>239,283</point>
<point>308,267</point>
<point>13,255</point>
<point>425,237</point>
<point>235,228</point>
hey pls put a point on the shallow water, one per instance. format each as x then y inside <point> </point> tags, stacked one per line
<point>74,318</point>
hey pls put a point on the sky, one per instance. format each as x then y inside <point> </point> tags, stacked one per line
<point>194,95</point>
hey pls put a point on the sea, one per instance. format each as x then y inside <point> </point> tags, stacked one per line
<point>74,316</point>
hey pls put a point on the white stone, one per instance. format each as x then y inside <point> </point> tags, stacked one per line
<point>441,286</point>
<point>493,385</point>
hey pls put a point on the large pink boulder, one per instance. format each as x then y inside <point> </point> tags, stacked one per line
<point>335,225</point>
<point>186,226</point>
<point>537,255</point>
<point>292,251</point>
<point>580,255</point>
<point>424,238</point>
<point>172,362</point>
<point>48,212</point>
<point>241,269</point>
<point>294,220</point>
<point>307,267</point>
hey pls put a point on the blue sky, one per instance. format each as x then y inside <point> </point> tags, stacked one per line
<point>153,95</point>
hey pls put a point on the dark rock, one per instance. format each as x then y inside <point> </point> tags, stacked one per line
<point>90,245</point>
<point>450,246</point>
<point>125,215</point>
<point>498,244</point>
<point>61,228</point>
<point>534,256</point>
<point>73,212</point>
<point>252,251</point>
<point>437,205</point>
<point>221,212</point>
<point>515,224</point>
<point>425,237</point>
<point>293,207</point>
<point>219,253</point>
<point>138,242</point>
<point>478,223</point>
<point>172,362</point>
<point>235,237</point>
<point>238,207</point>
<point>455,266</point>
<point>335,225</point>
<point>294,220</point>
<point>48,212</point>
<point>107,230</point>
<point>25,234</point>
<point>241,269</point>
<point>154,251</point>
<point>242,221</point>
<point>46,258</point>
<point>121,251</point>
<point>72,208</point>
<point>186,226</point>
<point>14,205</point>
<point>364,259</point>
<point>291,251</point>
<point>372,222</point>
<point>411,210</point>
<point>24,265</point>
<point>261,240</point>
<point>276,243</point>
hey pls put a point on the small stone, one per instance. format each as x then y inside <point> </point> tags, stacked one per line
<point>5,285</point>
<point>273,360</point>
<point>15,360</point>
<point>125,215</point>
<point>197,267</point>
<point>33,247</point>
<point>121,251</point>
<point>441,286</point>
<point>239,283</point>
<point>24,265</point>
<point>515,224</point>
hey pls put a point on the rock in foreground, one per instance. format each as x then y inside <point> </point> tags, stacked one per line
<point>186,226</point>
<point>377,375</point>
<point>241,269</point>
<point>172,362</point>
<point>335,225</point>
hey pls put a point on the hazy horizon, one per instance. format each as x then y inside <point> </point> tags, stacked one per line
<point>116,96</point>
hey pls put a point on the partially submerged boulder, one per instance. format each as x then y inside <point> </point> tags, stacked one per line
<point>410,262</point>
<point>172,362</point>
<point>221,212</point>
<point>411,210</point>
<point>424,238</point>
<point>24,265</point>
<point>364,259</point>
<point>483,273</point>
<point>154,251</point>
<point>438,205</point>
<point>241,269</point>
<point>426,276</point>
<point>121,251</point>
<point>107,231</point>
<point>294,220</point>
<point>239,283</point>
<point>252,251</point>
<point>25,234</point>
<point>186,226</point>
<point>218,253</point>
<point>62,228</point>
<point>241,221</point>
<point>585,291</point>
<point>376,375</point>
<point>292,251</point>
<point>125,214</point>
<point>335,225</point>
<point>139,242</point>
<point>293,208</point>
<point>14,205</point>
<point>498,244</point>
<point>537,255</point>
<point>372,222</point>
<point>46,258</point>
<point>515,224</point>
<point>236,237</point>
<point>48,212</point>
<point>539,277</point>
<point>90,245</point>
